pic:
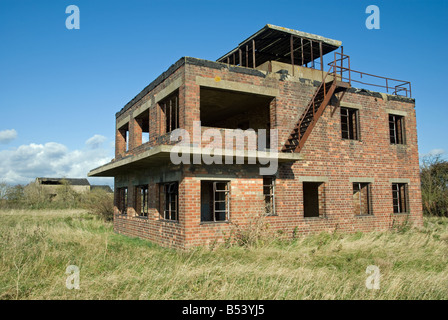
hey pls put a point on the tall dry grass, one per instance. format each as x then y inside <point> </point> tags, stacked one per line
<point>37,246</point>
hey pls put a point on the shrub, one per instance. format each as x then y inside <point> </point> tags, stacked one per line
<point>67,197</point>
<point>252,234</point>
<point>36,197</point>
<point>100,203</point>
<point>434,182</point>
<point>11,196</point>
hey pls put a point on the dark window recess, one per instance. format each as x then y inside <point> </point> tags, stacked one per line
<point>51,182</point>
<point>170,109</point>
<point>143,122</point>
<point>243,125</point>
<point>312,199</point>
<point>400,197</point>
<point>169,201</point>
<point>268,135</point>
<point>361,199</point>
<point>141,200</point>
<point>349,124</point>
<point>396,129</point>
<point>122,200</point>
<point>269,195</point>
<point>215,200</point>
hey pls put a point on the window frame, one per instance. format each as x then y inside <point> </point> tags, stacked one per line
<point>142,200</point>
<point>226,201</point>
<point>226,192</point>
<point>123,200</point>
<point>352,119</point>
<point>397,135</point>
<point>270,196</point>
<point>170,196</point>
<point>401,195</point>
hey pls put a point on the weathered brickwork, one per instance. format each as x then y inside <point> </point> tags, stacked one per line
<point>327,158</point>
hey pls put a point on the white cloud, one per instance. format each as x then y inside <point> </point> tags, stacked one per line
<point>25,163</point>
<point>96,141</point>
<point>6,136</point>
<point>435,152</point>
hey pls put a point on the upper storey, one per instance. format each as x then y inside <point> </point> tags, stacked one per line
<point>266,82</point>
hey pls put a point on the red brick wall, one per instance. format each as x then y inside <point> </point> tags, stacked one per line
<point>156,125</point>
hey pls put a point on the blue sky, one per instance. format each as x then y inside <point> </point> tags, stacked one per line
<point>60,88</point>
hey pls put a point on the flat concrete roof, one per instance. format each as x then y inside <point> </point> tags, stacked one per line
<point>160,155</point>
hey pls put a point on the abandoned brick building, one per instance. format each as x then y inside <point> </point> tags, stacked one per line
<point>347,157</point>
<point>51,187</point>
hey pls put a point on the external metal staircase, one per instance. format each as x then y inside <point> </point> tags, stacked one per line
<point>331,84</point>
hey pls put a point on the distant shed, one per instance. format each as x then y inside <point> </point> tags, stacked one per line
<point>51,184</point>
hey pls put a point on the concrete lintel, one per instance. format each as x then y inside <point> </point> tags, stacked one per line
<point>399,180</point>
<point>361,179</point>
<point>236,86</point>
<point>168,90</point>
<point>350,105</point>
<point>123,122</point>
<point>145,106</point>
<point>313,179</point>
<point>397,112</point>
<point>210,177</point>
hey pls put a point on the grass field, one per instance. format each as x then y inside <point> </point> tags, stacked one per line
<point>37,246</point>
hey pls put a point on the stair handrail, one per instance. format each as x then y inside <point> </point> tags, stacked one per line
<point>324,77</point>
<point>402,86</point>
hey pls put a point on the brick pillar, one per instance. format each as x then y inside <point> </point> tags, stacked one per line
<point>116,198</point>
<point>273,122</point>
<point>120,142</point>
<point>153,206</point>
<point>131,200</point>
<point>136,133</point>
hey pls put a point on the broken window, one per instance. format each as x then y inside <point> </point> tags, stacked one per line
<point>313,199</point>
<point>170,109</point>
<point>400,197</point>
<point>141,200</point>
<point>215,200</point>
<point>349,123</point>
<point>361,198</point>
<point>269,195</point>
<point>396,129</point>
<point>122,200</point>
<point>169,200</point>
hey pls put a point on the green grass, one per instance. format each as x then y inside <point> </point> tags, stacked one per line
<point>37,246</point>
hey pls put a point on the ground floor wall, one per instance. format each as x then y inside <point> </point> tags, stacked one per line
<point>336,201</point>
<point>150,225</point>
